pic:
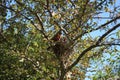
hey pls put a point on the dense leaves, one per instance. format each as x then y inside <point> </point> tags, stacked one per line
<point>30,50</point>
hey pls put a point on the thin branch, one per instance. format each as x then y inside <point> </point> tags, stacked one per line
<point>42,27</point>
<point>109,31</point>
<point>110,44</point>
<point>100,4</point>
<point>80,35</point>
<point>40,22</point>
<point>118,17</point>
<point>103,17</point>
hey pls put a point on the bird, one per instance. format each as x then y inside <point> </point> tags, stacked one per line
<point>57,36</point>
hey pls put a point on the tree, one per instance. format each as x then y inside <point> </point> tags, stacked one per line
<point>29,26</point>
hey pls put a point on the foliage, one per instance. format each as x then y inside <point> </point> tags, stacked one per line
<point>27,27</point>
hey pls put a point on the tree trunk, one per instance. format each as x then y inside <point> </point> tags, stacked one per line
<point>62,75</point>
<point>62,70</point>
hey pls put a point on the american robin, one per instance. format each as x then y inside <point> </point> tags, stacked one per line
<point>57,36</point>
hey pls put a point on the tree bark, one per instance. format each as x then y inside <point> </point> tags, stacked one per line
<point>62,71</point>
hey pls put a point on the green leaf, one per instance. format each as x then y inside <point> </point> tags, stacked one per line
<point>118,34</point>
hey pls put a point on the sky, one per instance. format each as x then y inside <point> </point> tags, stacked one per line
<point>106,55</point>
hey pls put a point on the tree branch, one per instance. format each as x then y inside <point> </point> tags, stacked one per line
<point>103,17</point>
<point>108,22</point>
<point>92,46</point>
<point>80,56</point>
<point>110,44</point>
<point>47,1</point>
<point>80,35</point>
<point>42,27</point>
<point>109,31</point>
<point>100,4</point>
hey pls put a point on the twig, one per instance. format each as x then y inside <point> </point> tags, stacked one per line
<point>109,31</point>
<point>100,4</point>
<point>80,35</point>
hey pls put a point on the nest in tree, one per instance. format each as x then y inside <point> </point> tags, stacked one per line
<point>62,50</point>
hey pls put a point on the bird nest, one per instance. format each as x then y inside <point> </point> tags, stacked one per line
<point>62,50</point>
